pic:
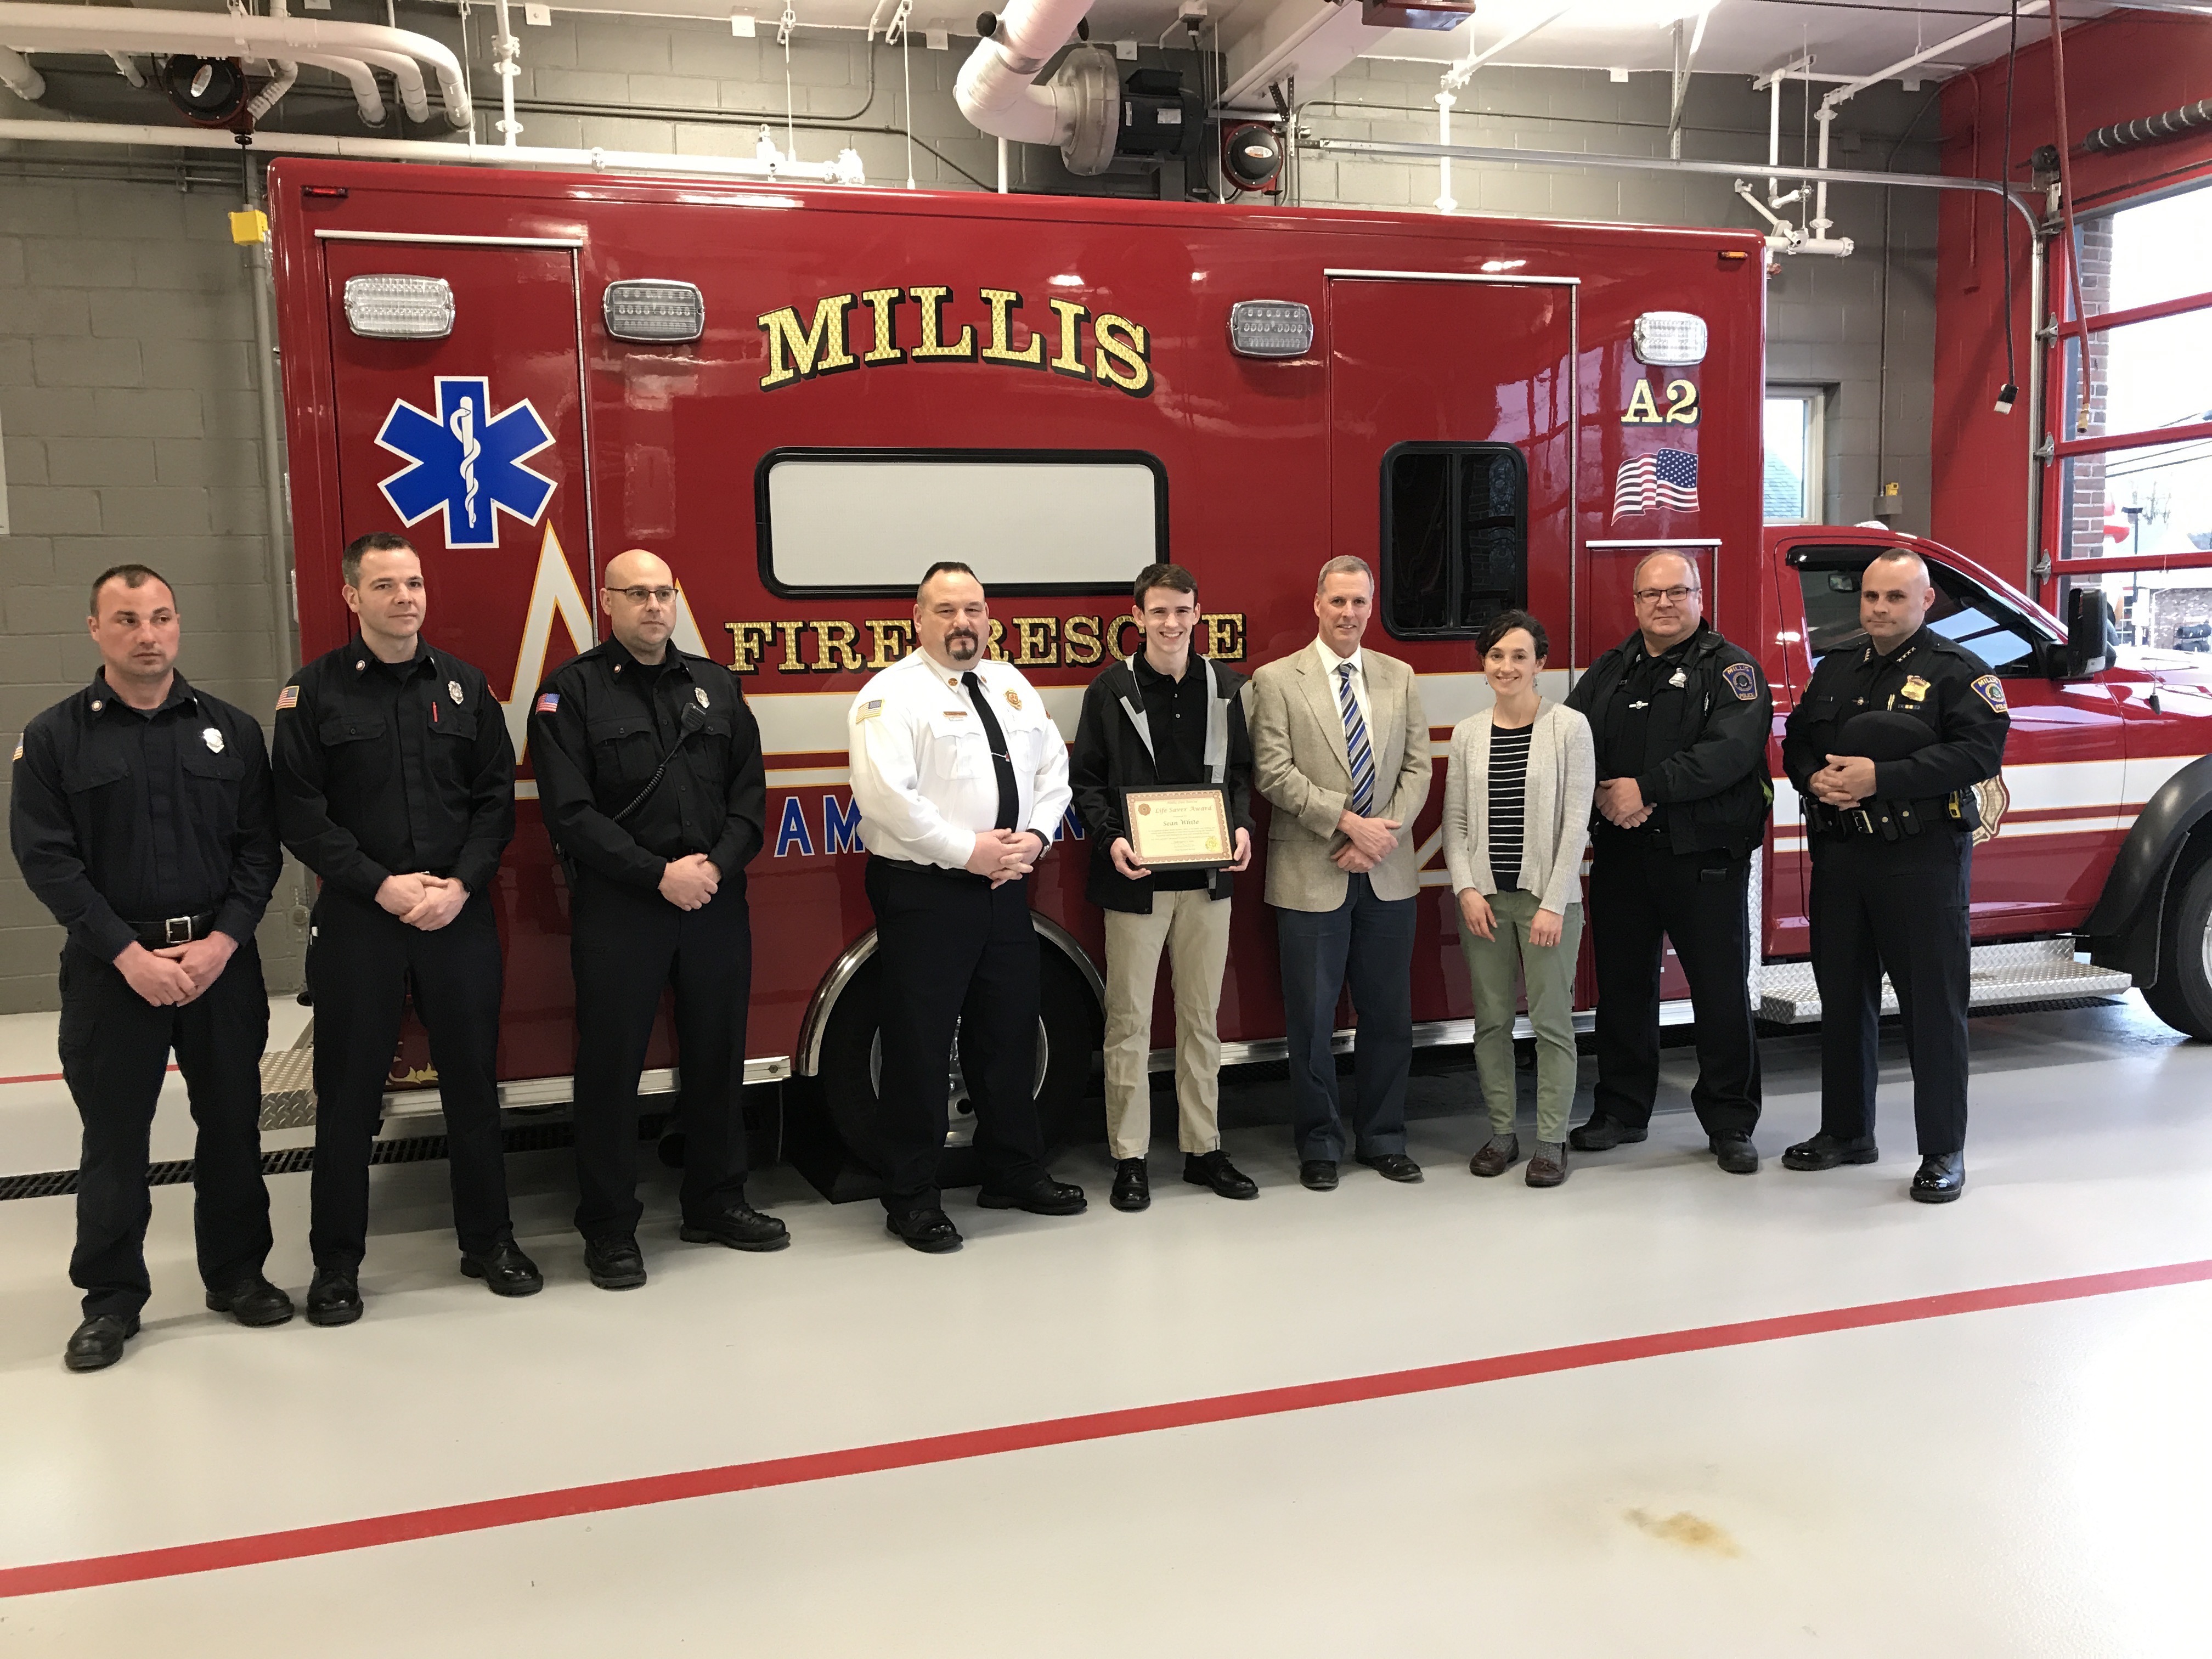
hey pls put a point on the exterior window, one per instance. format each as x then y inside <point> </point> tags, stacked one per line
<point>1455,538</point>
<point>2014,648</point>
<point>1794,443</point>
<point>856,522</point>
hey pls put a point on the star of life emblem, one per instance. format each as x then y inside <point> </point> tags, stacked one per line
<point>466,462</point>
<point>212,739</point>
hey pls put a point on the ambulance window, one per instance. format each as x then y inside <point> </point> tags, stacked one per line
<point>858,522</point>
<point>1963,613</point>
<point>1455,538</point>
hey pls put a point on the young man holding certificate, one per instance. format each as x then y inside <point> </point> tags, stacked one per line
<point>1162,771</point>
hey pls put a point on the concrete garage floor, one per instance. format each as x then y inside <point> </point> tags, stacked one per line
<point>1941,1471</point>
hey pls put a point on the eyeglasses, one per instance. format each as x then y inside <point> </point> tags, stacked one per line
<point>646,595</point>
<point>1671,595</point>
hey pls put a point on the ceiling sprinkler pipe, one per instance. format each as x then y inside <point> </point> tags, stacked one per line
<point>2151,129</point>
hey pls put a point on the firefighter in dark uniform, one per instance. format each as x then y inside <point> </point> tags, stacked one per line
<point>1890,812</point>
<point>649,770</point>
<point>142,818</point>
<point>395,784</point>
<point>1681,718</point>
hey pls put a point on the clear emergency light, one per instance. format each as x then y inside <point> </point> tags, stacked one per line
<point>400,308</point>
<point>1670,338</point>
<point>654,310</point>
<point>1270,328</point>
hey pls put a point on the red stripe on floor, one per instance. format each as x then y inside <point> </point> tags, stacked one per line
<point>453,1518</point>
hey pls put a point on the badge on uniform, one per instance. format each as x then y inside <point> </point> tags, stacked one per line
<point>1992,692</point>
<point>212,739</point>
<point>288,698</point>
<point>869,710</point>
<point>1915,689</point>
<point>1741,678</point>
<point>1681,678</point>
<point>453,690</point>
<point>699,692</point>
<point>547,704</point>
<point>1015,698</point>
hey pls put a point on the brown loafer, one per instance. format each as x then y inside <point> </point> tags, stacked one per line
<point>1499,1153</point>
<point>1548,1168</point>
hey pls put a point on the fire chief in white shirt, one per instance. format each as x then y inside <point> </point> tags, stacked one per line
<point>961,778</point>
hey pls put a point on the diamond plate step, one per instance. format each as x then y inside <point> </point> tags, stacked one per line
<point>2042,970</point>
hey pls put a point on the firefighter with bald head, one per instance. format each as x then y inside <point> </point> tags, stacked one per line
<point>649,774</point>
<point>1886,747</point>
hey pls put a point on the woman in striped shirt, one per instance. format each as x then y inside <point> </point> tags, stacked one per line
<point>1516,818</point>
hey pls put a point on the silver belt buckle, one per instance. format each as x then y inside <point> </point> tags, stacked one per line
<point>177,930</point>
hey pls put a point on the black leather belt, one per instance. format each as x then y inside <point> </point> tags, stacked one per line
<point>1890,819</point>
<point>173,930</point>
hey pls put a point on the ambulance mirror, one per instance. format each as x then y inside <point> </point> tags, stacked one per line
<point>2088,633</point>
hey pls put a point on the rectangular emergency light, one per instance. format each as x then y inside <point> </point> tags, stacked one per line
<point>654,310</point>
<point>1270,328</point>
<point>1670,338</point>
<point>400,308</point>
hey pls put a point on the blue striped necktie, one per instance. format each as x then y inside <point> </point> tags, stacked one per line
<point>1357,748</point>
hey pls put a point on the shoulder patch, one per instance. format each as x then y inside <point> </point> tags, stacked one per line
<point>288,698</point>
<point>869,710</point>
<point>1991,690</point>
<point>1742,679</point>
<point>547,702</point>
<point>19,749</point>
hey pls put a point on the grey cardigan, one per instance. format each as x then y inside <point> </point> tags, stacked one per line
<point>1562,782</point>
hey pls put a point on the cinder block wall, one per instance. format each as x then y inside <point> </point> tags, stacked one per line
<point>127,388</point>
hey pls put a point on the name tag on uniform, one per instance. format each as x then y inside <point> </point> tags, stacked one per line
<point>956,713</point>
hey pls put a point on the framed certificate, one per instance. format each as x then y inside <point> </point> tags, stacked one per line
<point>1179,829</point>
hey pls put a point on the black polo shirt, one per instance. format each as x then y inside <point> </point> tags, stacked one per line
<point>1176,711</point>
<point>388,769</point>
<point>122,818</point>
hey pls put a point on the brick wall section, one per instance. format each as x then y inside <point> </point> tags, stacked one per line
<point>128,403</point>
<point>2084,486</point>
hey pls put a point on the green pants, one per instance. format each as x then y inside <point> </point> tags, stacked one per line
<point>1493,966</point>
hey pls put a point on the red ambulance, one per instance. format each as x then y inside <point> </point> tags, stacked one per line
<point>800,398</point>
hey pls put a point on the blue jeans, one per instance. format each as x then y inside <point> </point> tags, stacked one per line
<point>1367,944</point>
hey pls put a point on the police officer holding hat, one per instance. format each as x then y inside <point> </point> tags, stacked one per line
<point>649,769</point>
<point>395,784</point>
<point>142,818</point>
<point>1886,746</point>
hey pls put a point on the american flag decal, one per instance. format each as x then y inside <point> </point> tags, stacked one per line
<point>1667,478</point>
<point>546,703</point>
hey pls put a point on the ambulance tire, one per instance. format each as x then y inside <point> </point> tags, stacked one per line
<point>842,1097</point>
<point>2183,995</point>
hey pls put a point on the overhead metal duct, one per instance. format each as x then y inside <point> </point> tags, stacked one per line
<point>2152,129</point>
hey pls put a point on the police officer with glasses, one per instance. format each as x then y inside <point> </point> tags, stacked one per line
<point>961,778</point>
<point>142,816</point>
<point>395,784</point>
<point>1886,746</point>
<point>1681,719</point>
<point>649,769</point>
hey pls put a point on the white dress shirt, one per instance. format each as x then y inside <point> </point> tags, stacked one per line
<point>922,775</point>
<point>1330,663</point>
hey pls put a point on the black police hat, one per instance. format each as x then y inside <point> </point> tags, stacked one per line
<point>1882,734</point>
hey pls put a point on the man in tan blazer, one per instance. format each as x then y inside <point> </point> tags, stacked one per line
<point>1340,750</point>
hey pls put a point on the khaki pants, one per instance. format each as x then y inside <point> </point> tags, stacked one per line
<point>1195,928</point>
<point>1492,964</point>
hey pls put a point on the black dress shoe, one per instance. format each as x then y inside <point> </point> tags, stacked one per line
<point>251,1302</point>
<point>1393,1166</point>
<point>1826,1152</point>
<point>1318,1175</point>
<point>1736,1154</point>
<point>1602,1134</point>
<point>1043,1196</point>
<point>615,1264</point>
<point>741,1227</point>
<point>930,1232</point>
<point>505,1270</point>
<point>1133,1185</point>
<point>1940,1178</point>
<point>1214,1170</point>
<point>333,1297</point>
<point>98,1343</point>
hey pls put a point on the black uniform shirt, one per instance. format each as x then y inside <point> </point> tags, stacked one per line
<point>386,768</point>
<point>121,819</point>
<point>1928,676</point>
<point>1624,724</point>
<point>599,729</point>
<point>1176,712</point>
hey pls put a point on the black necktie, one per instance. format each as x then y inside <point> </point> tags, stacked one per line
<point>1010,799</point>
